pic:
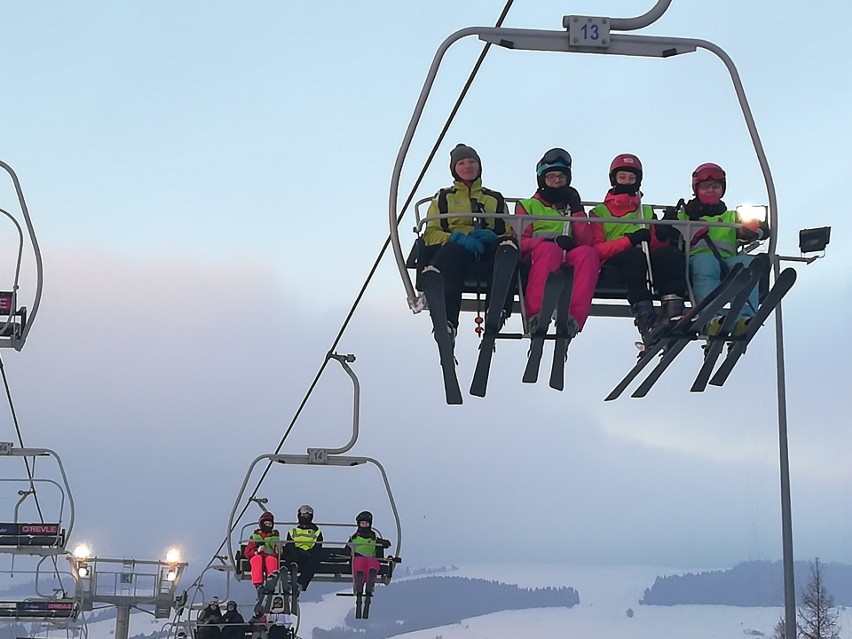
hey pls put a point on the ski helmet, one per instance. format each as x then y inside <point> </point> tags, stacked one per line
<point>626,162</point>
<point>463,152</point>
<point>555,159</point>
<point>267,516</point>
<point>306,513</point>
<point>365,515</point>
<point>708,171</point>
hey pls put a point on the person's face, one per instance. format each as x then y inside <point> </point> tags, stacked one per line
<point>278,602</point>
<point>555,178</point>
<point>363,524</point>
<point>625,177</point>
<point>467,169</point>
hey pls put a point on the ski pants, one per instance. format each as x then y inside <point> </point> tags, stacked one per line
<point>306,560</point>
<point>706,273</point>
<point>365,565</point>
<point>668,266</point>
<point>547,257</point>
<point>262,564</point>
<point>455,263</point>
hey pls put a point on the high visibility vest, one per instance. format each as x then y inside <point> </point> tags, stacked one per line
<point>364,546</point>
<point>616,230</point>
<point>270,541</point>
<point>304,538</point>
<point>724,237</point>
<point>546,228</point>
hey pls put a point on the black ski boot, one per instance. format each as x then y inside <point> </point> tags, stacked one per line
<point>673,307</point>
<point>646,320</point>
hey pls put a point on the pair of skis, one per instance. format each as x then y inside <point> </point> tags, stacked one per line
<point>363,586</point>
<point>734,290</point>
<point>289,590</point>
<point>505,260</point>
<point>557,298</point>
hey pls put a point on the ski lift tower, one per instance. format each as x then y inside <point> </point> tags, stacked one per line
<point>126,584</point>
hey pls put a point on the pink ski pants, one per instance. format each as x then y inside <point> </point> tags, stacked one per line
<point>365,565</point>
<point>262,563</point>
<point>548,257</point>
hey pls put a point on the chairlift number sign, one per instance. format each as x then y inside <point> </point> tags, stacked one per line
<point>317,455</point>
<point>6,448</point>
<point>587,31</point>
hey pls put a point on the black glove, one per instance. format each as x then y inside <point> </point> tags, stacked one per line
<point>565,242</point>
<point>642,235</point>
<point>665,232</point>
<point>575,204</point>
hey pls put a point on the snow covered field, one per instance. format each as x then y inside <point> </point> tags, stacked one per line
<point>606,594</point>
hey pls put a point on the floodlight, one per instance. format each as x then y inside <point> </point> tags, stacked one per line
<point>171,574</point>
<point>813,240</point>
<point>82,552</point>
<point>173,556</point>
<point>747,212</point>
<point>82,570</point>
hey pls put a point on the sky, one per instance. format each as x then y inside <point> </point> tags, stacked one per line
<point>209,186</point>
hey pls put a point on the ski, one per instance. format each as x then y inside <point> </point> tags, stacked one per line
<point>368,595</point>
<point>715,343</point>
<point>677,344</point>
<point>358,587</point>
<point>566,329</point>
<point>552,289</point>
<point>782,285</point>
<point>433,288</point>
<point>266,591</point>
<point>505,260</point>
<point>717,298</point>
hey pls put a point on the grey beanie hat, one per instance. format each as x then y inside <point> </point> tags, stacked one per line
<point>463,152</point>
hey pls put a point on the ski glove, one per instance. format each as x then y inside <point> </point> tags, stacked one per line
<point>565,242</point>
<point>575,204</point>
<point>468,242</point>
<point>486,236</point>
<point>642,235</point>
<point>665,232</point>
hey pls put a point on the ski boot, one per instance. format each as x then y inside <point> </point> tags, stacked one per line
<point>673,307</point>
<point>647,321</point>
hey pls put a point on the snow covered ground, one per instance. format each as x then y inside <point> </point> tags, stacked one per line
<point>606,594</point>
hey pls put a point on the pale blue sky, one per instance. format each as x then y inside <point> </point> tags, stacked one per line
<point>209,182</point>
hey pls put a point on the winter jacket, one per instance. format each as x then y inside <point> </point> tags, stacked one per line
<point>461,198</point>
<point>260,538</point>
<point>541,231</point>
<point>210,615</point>
<point>724,238</point>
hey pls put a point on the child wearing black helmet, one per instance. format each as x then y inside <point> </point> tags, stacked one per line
<point>365,546</point>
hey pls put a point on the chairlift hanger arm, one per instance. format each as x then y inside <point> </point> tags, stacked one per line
<point>36,252</point>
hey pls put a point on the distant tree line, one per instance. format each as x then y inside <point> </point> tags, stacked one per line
<point>751,584</point>
<point>429,602</point>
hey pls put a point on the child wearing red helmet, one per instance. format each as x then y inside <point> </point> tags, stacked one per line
<point>262,549</point>
<point>620,244</point>
<point>713,250</point>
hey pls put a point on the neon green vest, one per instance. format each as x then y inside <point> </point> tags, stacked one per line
<point>545,228</point>
<point>364,546</point>
<point>725,238</point>
<point>614,230</point>
<point>270,542</point>
<point>304,538</point>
